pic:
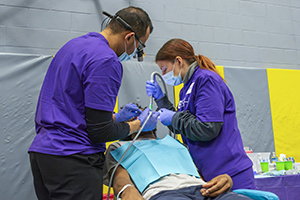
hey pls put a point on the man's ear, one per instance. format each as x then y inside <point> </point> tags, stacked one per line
<point>129,36</point>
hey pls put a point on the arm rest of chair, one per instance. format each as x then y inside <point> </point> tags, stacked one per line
<point>257,194</point>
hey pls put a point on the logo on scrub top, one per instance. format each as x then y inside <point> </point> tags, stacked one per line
<point>184,102</point>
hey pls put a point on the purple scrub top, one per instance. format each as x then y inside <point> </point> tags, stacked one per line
<point>207,97</point>
<point>85,72</point>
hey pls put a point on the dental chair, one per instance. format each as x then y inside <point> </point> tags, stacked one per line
<point>257,194</point>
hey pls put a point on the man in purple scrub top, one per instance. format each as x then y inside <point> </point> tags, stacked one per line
<point>205,117</point>
<point>74,116</point>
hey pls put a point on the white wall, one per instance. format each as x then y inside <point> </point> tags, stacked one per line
<point>248,33</point>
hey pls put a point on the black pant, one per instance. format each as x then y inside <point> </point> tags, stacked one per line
<point>67,177</point>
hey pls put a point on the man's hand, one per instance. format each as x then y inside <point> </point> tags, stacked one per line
<point>128,112</point>
<point>217,186</point>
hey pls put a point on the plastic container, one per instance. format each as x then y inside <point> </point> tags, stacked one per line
<point>280,165</point>
<point>288,165</point>
<point>264,166</point>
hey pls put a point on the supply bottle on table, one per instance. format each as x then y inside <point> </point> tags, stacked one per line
<point>273,158</point>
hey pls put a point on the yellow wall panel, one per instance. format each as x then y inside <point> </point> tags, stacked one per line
<point>116,109</point>
<point>284,91</point>
<point>221,70</point>
<point>176,94</point>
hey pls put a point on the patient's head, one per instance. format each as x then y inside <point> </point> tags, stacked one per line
<point>143,134</point>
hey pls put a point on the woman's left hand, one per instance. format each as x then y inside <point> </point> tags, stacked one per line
<point>165,116</point>
<point>217,186</point>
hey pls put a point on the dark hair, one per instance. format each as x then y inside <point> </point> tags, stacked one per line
<point>180,47</point>
<point>136,17</point>
<point>127,138</point>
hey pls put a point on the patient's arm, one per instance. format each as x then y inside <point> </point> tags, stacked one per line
<point>122,178</point>
<point>217,186</point>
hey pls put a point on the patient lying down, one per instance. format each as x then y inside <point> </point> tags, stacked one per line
<point>158,169</point>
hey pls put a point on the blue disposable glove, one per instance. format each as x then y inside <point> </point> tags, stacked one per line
<point>165,116</point>
<point>128,112</point>
<point>152,121</point>
<point>154,89</point>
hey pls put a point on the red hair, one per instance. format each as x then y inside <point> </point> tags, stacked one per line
<point>180,47</point>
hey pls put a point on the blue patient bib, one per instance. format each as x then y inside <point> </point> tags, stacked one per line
<point>148,160</point>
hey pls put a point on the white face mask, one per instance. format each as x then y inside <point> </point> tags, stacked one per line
<point>125,56</point>
<point>170,79</point>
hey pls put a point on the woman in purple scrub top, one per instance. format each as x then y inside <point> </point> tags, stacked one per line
<point>205,116</point>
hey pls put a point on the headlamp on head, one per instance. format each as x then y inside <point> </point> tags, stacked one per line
<point>140,50</point>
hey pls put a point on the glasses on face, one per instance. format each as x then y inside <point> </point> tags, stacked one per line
<point>141,44</point>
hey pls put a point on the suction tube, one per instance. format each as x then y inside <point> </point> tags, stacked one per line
<point>152,80</point>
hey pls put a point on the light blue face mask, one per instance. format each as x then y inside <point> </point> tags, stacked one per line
<point>170,79</point>
<point>125,56</point>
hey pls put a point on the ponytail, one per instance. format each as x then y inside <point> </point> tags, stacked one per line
<point>206,63</point>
